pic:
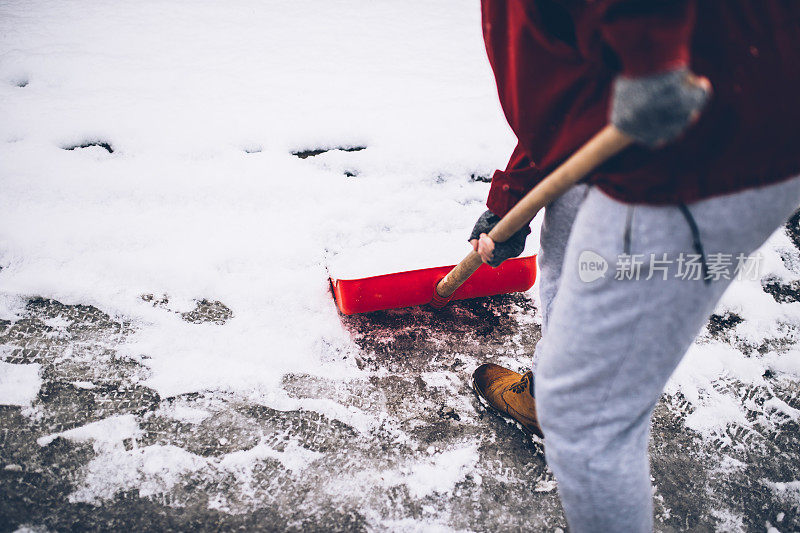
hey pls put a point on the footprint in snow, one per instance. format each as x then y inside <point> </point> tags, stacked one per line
<point>89,143</point>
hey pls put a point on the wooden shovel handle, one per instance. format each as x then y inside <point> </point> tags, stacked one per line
<point>604,145</point>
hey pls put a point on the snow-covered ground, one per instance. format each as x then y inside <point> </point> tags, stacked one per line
<point>203,105</point>
<point>177,182</point>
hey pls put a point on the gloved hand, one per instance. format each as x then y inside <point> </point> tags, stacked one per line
<point>494,253</point>
<point>657,109</point>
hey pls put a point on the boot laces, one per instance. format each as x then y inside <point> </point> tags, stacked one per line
<point>523,384</point>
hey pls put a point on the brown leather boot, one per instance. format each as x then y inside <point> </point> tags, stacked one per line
<point>509,393</point>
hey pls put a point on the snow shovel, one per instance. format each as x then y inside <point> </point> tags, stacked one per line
<point>471,278</point>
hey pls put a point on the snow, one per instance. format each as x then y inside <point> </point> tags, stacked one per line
<point>710,362</point>
<point>789,491</point>
<point>778,405</point>
<point>787,363</point>
<point>181,92</point>
<point>108,432</point>
<point>157,469</point>
<point>438,474</point>
<point>356,418</point>
<point>201,197</point>
<point>151,470</point>
<point>87,385</point>
<point>185,413</point>
<point>445,380</point>
<point>19,384</point>
<point>294,457</point>
<point>729,521</point>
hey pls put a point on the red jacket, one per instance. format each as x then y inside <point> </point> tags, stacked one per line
<point>555,61</point>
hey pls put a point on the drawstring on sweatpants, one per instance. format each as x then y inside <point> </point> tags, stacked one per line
<point>626,238</point>
<point>696,243</point>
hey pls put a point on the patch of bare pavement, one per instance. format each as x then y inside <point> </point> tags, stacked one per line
<point>97,449</point>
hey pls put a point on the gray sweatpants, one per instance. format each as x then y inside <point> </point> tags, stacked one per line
<point>609,345</point>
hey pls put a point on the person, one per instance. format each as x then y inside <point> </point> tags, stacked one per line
<point>708,91</point>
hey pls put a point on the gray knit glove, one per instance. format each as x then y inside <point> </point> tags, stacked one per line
<point>657,109</point>
<point>502,250</point>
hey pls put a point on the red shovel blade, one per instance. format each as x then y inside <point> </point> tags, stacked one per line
<point>415,287</point>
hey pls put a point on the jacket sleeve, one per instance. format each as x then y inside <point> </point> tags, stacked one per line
<point>648,36</point>
<point>510,185</point>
